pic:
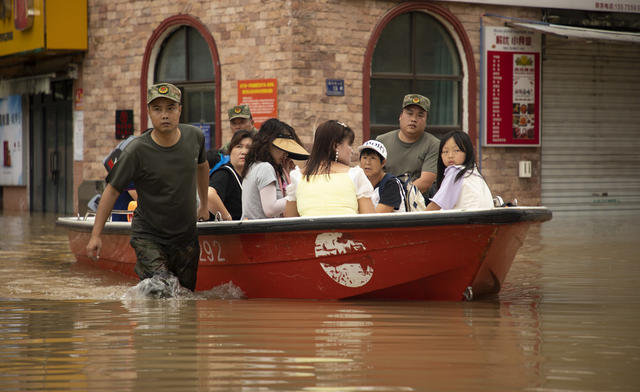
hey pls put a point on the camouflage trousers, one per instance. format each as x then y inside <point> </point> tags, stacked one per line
<point>161,259</point>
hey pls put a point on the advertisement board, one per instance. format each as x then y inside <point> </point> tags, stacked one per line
<point>262,97</point>
<point>11,171</point>
<point>511,76</point>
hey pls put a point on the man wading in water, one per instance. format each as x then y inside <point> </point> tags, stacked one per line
<point>165,165</point>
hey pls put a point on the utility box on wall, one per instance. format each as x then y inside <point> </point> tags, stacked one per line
<point>524,169</point>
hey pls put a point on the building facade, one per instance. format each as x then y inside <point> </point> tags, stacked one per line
<point>350,60</point>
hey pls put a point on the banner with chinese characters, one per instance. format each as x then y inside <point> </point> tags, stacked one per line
<point>511,101</point>
<point>262,97</point>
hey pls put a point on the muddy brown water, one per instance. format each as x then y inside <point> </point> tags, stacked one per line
<point>567,319</point>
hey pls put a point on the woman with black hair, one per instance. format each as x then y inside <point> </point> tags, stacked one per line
<point>328,185</point>
<point>265,174</point>
<point>462,185</point>
<point>225,183</point>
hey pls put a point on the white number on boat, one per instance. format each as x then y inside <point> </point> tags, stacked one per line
<point>211,252</point>
<point>347,274</point>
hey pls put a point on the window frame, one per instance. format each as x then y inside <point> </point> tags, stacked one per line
<point>187,83</point>
<point>151,53</point>
<point>414,77</point>
<point>468,83</point>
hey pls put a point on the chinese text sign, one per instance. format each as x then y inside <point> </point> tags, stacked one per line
<point>511,101</point>
<point>262,97</point>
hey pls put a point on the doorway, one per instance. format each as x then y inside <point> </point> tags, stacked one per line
<point>51,149</point>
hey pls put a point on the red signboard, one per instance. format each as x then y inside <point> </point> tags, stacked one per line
<point>124,124</point>
<point>262,97</point>
<point>511,104</point>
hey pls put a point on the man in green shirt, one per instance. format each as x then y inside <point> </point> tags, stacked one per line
<point>240,118</point>
<point>410,149</point>
<point>167,165</point>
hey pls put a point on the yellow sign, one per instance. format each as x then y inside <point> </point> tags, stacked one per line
<point>22,26</point>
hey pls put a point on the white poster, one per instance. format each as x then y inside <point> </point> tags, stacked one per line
<point>11,170</point>
<point>78,135</point>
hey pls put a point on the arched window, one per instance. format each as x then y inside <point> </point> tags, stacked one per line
<point>415,54</point>
<point>184,59</point>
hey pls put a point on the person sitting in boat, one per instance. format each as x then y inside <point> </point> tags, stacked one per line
<point>265,176</point>
<point>225,183</point>
<point>462,185</point>
<point>412,150</point>
<point>328,185</point>
<point>387,189</point>
<point>240,118</point>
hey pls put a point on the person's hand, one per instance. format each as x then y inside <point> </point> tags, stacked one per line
<point>288,164</point>
<point>203,213</point>
<point>290,191</point>
<point>93,248</point>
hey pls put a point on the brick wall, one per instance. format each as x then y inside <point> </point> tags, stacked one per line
<point>299,42</point>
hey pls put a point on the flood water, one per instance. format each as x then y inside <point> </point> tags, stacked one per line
<point>568,319</point>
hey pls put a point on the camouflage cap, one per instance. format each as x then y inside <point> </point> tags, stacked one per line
<point>418,100</point>
<point>239,111</point>
<point>163,90</point>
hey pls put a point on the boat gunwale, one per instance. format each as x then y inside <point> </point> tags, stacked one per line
<point>496,216</point>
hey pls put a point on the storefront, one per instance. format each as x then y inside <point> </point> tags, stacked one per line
<point>310,61</point>
<point>41,48</point>
<point>590,158</point>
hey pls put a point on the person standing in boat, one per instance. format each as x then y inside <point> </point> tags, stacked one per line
<point>411,150</point>
<point>240,119</point>
<point>462,185</point>
<point>388,195</point>
<point>225,184</point>
<point>328,185</point>
<point>266,167</point>
<point>167,165</point>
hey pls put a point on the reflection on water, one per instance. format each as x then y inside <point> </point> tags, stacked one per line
<point>567,319</point>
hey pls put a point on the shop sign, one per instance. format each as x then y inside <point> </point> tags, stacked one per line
<point>11,170</point>
<point>629,6</point>
<point>335,87</point>
<point>262,97</point>
<point>511,98</point>
<point>124,124</point>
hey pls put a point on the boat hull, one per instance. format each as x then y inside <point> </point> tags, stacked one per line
<point>416,256</point>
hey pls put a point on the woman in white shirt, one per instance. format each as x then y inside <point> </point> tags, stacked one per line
<point>461,186</point>
<point>265,178</point>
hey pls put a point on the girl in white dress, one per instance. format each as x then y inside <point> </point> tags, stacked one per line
<point>461,186</point>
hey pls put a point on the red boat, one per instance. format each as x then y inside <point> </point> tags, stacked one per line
<point>441,255</point>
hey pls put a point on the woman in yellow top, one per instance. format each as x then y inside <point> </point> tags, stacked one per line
<point>328,185</point>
